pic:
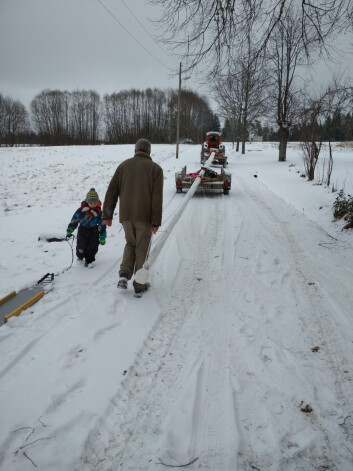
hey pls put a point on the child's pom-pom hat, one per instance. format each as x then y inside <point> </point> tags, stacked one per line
<point>92,196</point>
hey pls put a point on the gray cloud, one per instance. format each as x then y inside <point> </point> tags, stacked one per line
<point>77,44</point>
<point>70,44</point>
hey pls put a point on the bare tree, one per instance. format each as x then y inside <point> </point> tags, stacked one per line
<point>14,120</point>
<point>50,116</point>
<point>242,92</point>
<point>62,117</point>
<point>213,32</point>
<point>153,113</point>
<point>242,97</point>
<point>196,115</point>
<point>202,29</point>
<point>2,118</point>
<point>285,52</point>
<point>84,116</point>
<point>94,106</point>
<point>334,99</point>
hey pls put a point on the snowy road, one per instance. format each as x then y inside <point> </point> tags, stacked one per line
<point>230,369</point>
<point>239,358</point>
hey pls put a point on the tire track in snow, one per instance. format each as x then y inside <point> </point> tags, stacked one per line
<point>293,287</point>
<point>255,356</point>
<point>335,357</point>
<point>140,426</point>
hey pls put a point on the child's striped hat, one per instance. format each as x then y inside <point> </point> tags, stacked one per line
<point>92,196</point>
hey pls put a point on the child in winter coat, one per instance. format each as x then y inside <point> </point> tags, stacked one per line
<point>91,231</point>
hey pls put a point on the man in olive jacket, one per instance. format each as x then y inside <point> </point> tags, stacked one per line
<point>138,184</point>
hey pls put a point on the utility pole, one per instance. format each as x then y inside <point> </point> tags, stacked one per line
<point>178,117</point>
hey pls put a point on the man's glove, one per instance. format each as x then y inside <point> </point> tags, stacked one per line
<point>102,238</point>
<point>69,232</point>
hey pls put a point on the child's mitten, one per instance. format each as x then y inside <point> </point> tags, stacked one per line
<point>69,232</point>
<point>102,238</point>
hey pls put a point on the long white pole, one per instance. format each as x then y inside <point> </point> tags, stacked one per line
<point>165,234</point>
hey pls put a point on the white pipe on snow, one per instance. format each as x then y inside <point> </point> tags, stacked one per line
<point>164,236</point>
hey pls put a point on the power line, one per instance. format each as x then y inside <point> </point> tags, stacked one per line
<point>142,26</point>
<point>116,19</point>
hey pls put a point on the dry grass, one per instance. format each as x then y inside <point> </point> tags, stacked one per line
<point>346,144</point>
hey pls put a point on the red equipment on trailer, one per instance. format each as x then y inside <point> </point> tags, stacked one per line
<point>213,143</point>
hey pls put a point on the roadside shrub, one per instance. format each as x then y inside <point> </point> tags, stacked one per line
<point>343,209</point>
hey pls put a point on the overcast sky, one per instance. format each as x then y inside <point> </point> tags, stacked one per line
<point>78,44</point>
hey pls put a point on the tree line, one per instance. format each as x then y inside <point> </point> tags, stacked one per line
<point>82,117</point>
<point>14,121</point>
<point>338,127</point>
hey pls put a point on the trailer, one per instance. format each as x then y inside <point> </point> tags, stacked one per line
<point>213,143</point>
<point>209,180</point>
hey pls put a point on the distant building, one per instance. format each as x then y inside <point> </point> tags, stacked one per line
<point>257,138</point>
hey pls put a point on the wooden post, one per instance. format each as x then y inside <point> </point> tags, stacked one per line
<point>178,116</point>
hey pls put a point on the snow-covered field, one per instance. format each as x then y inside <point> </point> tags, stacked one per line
<point>238,358</point>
